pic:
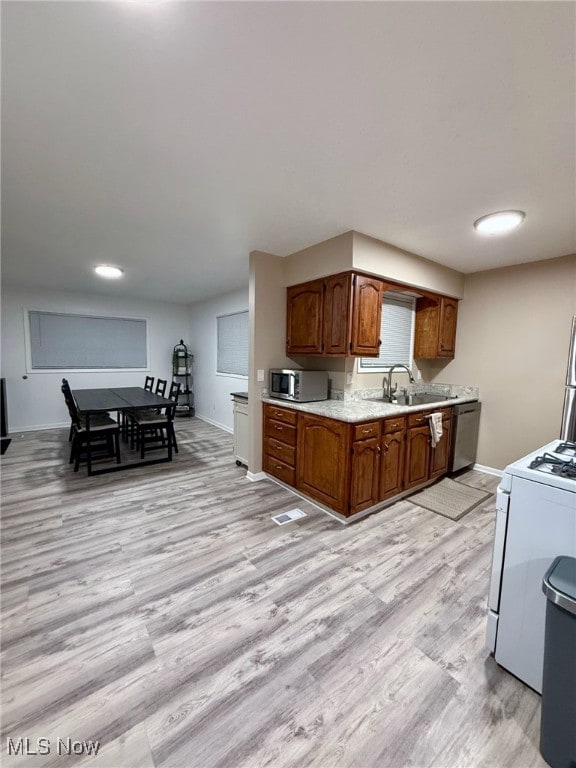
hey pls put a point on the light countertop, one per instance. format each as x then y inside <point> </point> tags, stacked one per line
<point>363,410</point>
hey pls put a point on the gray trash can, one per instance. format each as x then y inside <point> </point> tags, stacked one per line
<point>558,723</point>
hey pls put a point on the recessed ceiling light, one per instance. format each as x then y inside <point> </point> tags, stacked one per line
<point>106,270</point>
<point>499,223</point>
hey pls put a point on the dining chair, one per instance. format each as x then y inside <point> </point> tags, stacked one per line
<point>161,385</point>
<point>126,415</point>
<point>71,403</point>
<point>94,438</point>
<point>156,429</point>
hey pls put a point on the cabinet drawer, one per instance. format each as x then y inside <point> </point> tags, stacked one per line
<point>421,418</point>
<point>364,431</point>
<point>418,419</point>
<point>280,470</point>
<point>394,425</point>
<point>285,433</point>
<point>280,414</point>
<point>276,450</point>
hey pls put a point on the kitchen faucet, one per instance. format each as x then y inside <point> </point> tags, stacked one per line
<point>387,383</point>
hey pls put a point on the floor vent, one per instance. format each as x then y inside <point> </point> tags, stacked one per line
<point>288,517</point>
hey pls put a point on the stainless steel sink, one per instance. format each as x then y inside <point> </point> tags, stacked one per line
<point>422,398</point>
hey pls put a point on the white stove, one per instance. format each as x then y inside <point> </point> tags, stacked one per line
<point>535,522</point>
<point>553,464</point>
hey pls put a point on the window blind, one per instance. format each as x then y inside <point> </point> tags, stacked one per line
<point>64,341</point>
<point>232,353</point>
<point>396,334</point>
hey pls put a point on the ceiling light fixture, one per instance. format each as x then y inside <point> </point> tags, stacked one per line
<point>106,270</point>
<point>499,223</point>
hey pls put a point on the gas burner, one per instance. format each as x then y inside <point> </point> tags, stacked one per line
<point>549,463</point>
<point>566,448</point>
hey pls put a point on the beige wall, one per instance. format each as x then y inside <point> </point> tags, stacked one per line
<point>512,342</point>
<point>326,258</point>
<point>267,313</point>
<point>374,256</point>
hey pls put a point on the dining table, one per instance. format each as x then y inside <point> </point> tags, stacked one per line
<point>121,400</point>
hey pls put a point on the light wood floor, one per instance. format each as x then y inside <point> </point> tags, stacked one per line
<point>163,613</point>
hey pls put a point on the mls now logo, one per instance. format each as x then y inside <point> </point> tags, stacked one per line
<point>42,746</point>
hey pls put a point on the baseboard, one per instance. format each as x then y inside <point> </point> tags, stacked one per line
<point>39,427</point>
<point>487,470</point>
<point>215,423</point>
<point>255,477</point>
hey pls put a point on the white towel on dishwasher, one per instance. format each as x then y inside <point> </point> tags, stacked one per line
<point>435,428</point>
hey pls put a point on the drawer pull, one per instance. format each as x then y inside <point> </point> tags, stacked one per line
<point>276,426</point>
<point>366,431</point>
<point>279,414</point>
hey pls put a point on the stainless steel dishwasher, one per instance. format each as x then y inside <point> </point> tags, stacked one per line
<point>465,424</point>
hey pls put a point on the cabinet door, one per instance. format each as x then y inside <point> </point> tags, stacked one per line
<point>337,299</point>
<point>426,327</point>
<point>366,316</point>
<point>241,431</point>
<point>417,456</point>
<point>365,464</point>
<point>440,454</point>
<point>304,311</point>
<point>392,464</point>
<point>435,328</point>
<point>448,315</point>
<point>322,463</point>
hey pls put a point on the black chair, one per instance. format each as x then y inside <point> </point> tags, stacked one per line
<point>126,416</point>
<point>93,438</point>
<point>156,429</point>
<point>161,385</point>
<point>67,392</point>
<point>68,397</point>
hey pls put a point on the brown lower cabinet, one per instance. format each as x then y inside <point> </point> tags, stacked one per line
<point>392,458</point>
<point>322,460</point>
<point>352,467</point>
<point>422,461</point>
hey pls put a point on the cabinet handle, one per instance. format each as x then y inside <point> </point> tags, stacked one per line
<point>366,431</point>
<point>278,466</point>
<point>277,413</point>
<point>378,450</point>
<point>278,427</point>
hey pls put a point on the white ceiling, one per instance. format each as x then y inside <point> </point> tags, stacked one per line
<point>174,138</point>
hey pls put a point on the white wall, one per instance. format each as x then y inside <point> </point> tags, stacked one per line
<point>37,402</point>
<point>212,390</point>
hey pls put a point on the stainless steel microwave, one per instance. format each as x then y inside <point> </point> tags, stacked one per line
<point>299,386</point>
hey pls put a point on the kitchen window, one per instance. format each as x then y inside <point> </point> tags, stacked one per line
<point>232,349</point>
<point>396,333</point>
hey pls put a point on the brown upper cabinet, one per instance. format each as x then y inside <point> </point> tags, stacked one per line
<point>304,319</point>
<point>338,316</point>
<point>435,332</point>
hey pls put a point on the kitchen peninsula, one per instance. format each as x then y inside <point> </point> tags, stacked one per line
<point>355,456</point>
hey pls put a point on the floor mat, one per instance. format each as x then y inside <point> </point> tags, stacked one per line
<point>449,498</point>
